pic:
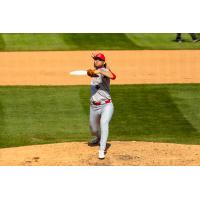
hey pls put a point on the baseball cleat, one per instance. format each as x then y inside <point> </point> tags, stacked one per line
<point>101,154</point>
<point>94,141</point>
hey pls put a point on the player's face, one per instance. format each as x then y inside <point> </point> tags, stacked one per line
<point>98,62</point>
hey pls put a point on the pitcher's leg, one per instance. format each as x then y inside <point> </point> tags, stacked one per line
<point>106,116</point>
<point>94,122</point>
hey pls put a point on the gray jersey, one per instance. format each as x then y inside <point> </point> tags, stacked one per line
<point>100,88</point>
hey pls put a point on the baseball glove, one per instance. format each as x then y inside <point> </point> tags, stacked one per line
<point>90,73</point>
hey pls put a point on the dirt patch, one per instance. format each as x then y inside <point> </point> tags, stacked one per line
<point>52,68</point>
<point>120,153</point>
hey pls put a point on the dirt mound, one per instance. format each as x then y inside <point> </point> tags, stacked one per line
<point>119,153</point>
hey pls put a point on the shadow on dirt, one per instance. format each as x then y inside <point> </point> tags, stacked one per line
<point>108,145</point>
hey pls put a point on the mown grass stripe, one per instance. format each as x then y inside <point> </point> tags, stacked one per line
<point>93,41</point>
<point>48,114</point>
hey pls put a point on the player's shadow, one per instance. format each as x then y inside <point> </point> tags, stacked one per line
<point>182,40</point>
<point>108,145</point>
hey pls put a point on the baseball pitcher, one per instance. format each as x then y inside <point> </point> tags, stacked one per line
<point>101,106</point>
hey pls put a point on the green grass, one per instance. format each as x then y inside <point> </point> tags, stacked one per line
<point>154,41</point>
<point>41,114</point>
<point>92,41</point>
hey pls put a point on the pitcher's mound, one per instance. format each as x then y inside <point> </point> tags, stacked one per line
<point>118,153</point>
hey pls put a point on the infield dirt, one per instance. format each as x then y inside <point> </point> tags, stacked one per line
<point>131,67</point>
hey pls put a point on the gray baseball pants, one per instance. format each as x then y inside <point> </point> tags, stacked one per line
<point>100,117</point>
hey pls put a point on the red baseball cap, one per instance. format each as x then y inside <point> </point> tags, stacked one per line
<point>101,56</point>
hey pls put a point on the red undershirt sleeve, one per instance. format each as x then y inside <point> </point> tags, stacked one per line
<point>114,76</point>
